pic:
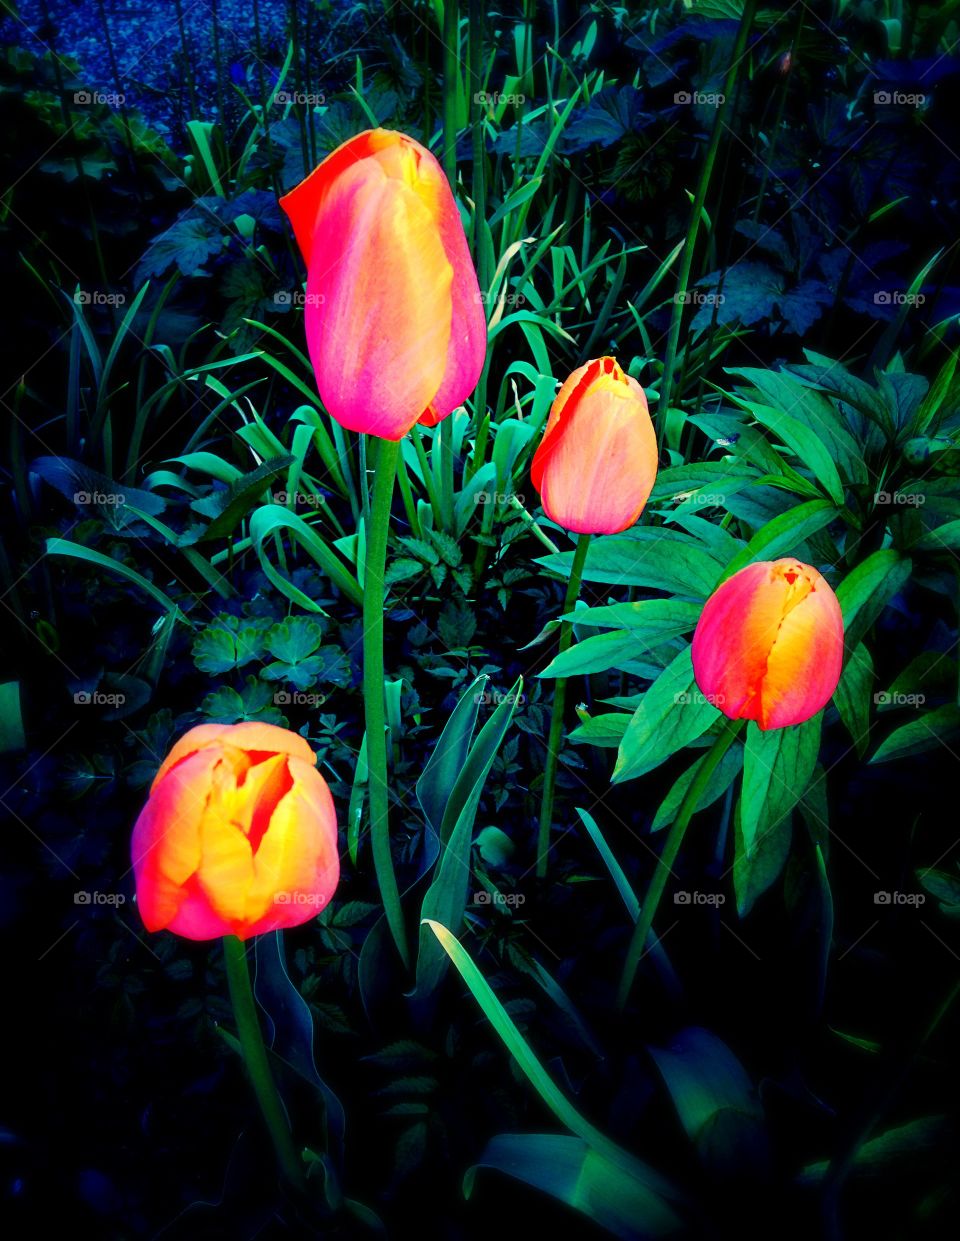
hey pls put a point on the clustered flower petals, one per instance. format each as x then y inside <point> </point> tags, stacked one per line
<point>238,836</point>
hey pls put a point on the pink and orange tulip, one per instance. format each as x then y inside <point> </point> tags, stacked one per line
<point>238,837</point>
<point>394,318</point>
<point>769,644</point>
<point>597,461</point>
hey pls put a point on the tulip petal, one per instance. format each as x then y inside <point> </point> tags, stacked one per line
<point>165,848</point>
<point>733,639</point>
<point>597,463</point>
<point>250,735</point>
<point>769,644</point>
<point>378,313</point>
<point>298,860</point>
<point>303,203</point>
<point>805,662</point>
<point>467,348</point>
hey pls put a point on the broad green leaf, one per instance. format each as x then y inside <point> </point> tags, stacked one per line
<point>921,1140</point>
<point>754,872</point>
<point>811,409</point>
<point>782,535</point>
<point>806,444</point>
<point>627,1206</point>
<point>932,729</point>
<point>707,477</point>
<point>605,730</point>
<point>672,714</point>
<point>704,1077</point>
<point>600,652</point>
<point>293,639</point>
<point>777,765</point>
<point>228,507</point>
<point>646,557</point>
<point>853,696</point>
<point>446,897</point>
<point>668,618</point>
<point>945,538</point>
<point>726,772</point>
<point>944,886</point>
<point>437,781</point>
<point>866,591</point>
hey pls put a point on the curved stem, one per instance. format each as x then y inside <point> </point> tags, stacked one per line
<point>556,716</point>
<point>671,848</point>
<point>255,1058</point>
<point>388,452</point>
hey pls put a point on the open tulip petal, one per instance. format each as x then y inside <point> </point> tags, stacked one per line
<point>235,824</point>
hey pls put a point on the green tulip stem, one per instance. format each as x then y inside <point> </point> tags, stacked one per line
<point>388,453</point>
<point>688,807</point>
<point>556,716</point>
<point>255,1059</point>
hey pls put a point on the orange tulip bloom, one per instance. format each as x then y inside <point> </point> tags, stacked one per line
<point>394,319</point>
<point>769,644</point>
<point>597,461</point>
<point>238,837</point>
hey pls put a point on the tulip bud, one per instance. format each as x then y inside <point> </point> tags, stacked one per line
<point>769,644</point>
<point>238,837</point>
<point>597,461</point>
<point>394,319</point>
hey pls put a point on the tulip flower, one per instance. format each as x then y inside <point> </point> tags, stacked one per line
<point>594,469</point>
<point>597,461</point>
<point>238,837</point>
<point>769,644</point>
<point>394,318</point>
